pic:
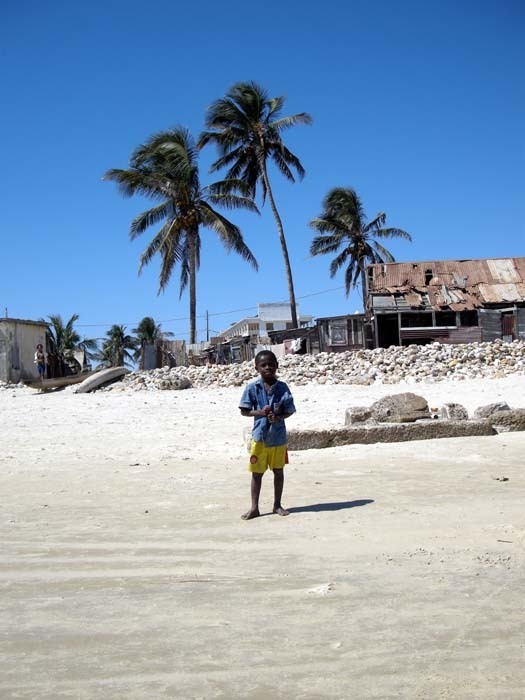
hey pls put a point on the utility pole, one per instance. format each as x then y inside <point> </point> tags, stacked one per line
<point>207,326</point>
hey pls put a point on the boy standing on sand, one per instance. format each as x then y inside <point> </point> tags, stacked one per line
<point>270,402</point>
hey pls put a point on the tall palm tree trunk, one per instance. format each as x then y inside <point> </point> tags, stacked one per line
<point>284,247</point>
<point>142,353</point>
<point>193,289</point>
<point>363,286</point>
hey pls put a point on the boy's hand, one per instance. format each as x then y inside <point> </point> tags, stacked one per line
<point>273,418</point>
<point>261,411</point>
<point>255,412</point>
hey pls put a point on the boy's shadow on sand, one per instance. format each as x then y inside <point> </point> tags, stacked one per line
<point>319,507</point>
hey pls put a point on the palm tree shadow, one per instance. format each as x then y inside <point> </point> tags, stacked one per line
<point>341,505</point>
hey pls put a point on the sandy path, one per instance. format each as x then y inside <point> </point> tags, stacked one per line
<point>126,572</point>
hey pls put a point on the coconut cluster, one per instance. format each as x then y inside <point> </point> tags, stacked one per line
<point>415,363</point>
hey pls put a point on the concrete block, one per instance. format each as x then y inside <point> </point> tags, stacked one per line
<point>357,414</point>
<point>401,432</point>
<point>486,411</point>
<point>400,408</point>
<point>453,411</point>
<point>509,421</point>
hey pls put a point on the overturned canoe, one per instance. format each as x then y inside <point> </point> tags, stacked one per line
<point>57,382</point>
<point>105,376</point>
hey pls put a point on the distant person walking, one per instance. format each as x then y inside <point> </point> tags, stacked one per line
<point>40,361</point>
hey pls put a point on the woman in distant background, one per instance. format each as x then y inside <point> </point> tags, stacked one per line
<point>40,361</point>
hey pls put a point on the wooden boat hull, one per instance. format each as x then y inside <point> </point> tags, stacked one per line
<point>58,382</point>
<point>105,376</point>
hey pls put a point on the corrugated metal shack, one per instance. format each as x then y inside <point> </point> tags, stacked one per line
<point>450,301</point>
<point>300,341</point>
<point>18,340</point>
<point>163,353</point>
<point>340,333</point>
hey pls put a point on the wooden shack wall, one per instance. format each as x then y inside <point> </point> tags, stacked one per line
<point>324,335</point>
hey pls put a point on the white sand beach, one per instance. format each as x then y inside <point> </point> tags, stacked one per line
<point>126,571</point>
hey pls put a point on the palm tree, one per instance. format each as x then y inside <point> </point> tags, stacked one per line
<point>90,347</point>
<point>63,340</point>
<point>165,168</point>
<point>117,347</point>
<point>62,337</point>
<point>148,333</point>
<point>246,127</point>
<point>343,224</point>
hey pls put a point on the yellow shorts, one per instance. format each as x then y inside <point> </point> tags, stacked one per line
<point>263,457</point>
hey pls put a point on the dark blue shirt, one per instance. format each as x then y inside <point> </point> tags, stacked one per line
<point>255,397</point>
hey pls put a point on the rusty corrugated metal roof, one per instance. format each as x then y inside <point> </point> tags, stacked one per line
<point>23,320</point>
<point>494,293</point>
<point>456,284</point>
<point>504,271</point>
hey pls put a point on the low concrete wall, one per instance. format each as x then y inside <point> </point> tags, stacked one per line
<point>400,432</point>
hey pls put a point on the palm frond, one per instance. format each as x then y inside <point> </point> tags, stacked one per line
<point>89,345</point>
<point>229,234</point>
<point>321,245</point>
<point>351,276</point>
<point>171,253</point>
<point>287,122</point>
<point>293,161</point>
<point>331,225</point>
<point>344,202</point>
<point>357,273</point>
<point>229,157</point>
<point>232,201</point>
<point>160,243</point>
<point>339,261</point>
<point>178,140</point>
<point>376,223</point>
<point>275,106</point>
<point>184,270</point>
<point>223,113</point>
<point>393,233</point>
<point>228,186</point>
<point>384,254</point>
<point>133,182</point>
<point>69,325</point>
<point>150,217</point>
<point>281,163</point>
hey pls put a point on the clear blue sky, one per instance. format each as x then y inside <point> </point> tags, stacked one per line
<point>419,106</point>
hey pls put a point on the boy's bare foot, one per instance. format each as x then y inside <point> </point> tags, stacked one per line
<point>250,514</point>
<point>281,511</point>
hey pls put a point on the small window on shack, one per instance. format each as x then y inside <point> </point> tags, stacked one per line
<point>445,318</point>
<point>418,319</point>
<point>428,276</point>
<point>337,333</point>
<point>468,318</point>
<point>357,332</point>
<point>269,326</point>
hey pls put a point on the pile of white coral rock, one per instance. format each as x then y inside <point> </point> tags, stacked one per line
<point>412,364</point>
<point>7,385</point>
